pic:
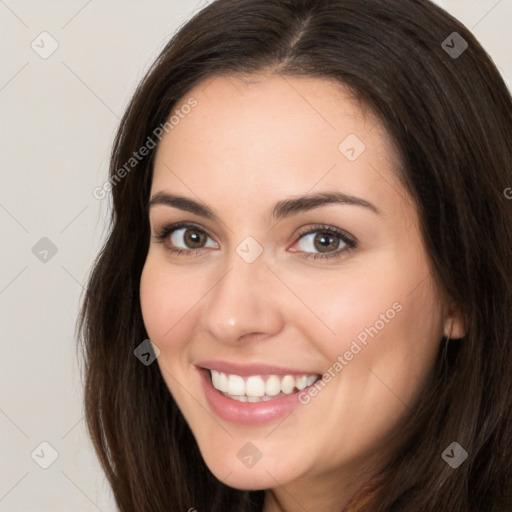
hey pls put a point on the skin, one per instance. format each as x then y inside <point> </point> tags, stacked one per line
<point>251,142</point>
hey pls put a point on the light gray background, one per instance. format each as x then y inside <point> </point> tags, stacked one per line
<point>59,116</point>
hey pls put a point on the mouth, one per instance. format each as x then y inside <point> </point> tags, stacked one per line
<point>252,394</point>
<point>259,388</point>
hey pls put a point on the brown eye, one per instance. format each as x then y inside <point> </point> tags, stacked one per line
<point>321,241</point>
<point>193,238</point>
<point>181,238</point>
<point>324,242</point>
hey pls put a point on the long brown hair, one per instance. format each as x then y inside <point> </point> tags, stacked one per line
<point>450,116</point>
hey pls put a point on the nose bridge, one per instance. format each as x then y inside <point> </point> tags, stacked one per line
<point>241,301</point>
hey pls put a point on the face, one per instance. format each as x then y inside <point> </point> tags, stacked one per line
<point>318,320</point>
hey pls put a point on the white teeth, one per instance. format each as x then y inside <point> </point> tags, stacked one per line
<point>287,384</point>
<point>223,382</point>
<point>236,385</point>
<point>301,382</point>
<point>215,379</point>
<point>255,388</point>
<point>310,380</point>
<point>272,386</point>
<point>240,398</point>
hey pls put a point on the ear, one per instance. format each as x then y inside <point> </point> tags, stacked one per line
<point>454,325</point>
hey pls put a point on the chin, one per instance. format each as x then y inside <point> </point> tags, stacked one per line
<point>249,480</point>
<point>233,473</point>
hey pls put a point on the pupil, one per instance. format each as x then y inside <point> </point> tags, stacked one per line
<point>193,237</point>
<point>323,241</point>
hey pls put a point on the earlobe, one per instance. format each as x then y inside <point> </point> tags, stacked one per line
<point>454,325</point>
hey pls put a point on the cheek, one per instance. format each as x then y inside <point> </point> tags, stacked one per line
<point>165,299</point>
<point>167,309</point>
<point>154,301</point>
<point>346,308</point>
<point>376,315</point>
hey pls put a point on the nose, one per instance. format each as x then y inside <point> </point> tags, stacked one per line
<point>245,303</point>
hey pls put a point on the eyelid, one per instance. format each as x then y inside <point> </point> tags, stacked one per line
<point>314,228</point>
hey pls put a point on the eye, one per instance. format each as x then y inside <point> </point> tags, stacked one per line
<point>331,242</point>
<point>184,233</point>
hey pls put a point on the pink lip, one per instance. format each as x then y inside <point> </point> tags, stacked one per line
<point>250,369</point>
<point>246,413</point>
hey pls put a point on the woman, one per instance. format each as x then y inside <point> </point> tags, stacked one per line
<point>311,225</point>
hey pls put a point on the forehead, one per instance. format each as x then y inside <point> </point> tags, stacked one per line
<point>280,135</point>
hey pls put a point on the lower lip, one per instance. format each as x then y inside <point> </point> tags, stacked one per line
<point>246,413</point>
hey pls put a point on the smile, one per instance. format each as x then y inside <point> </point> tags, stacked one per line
<point>258,388</point>
<point>254,393</point>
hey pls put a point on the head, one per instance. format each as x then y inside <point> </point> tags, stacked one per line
<point>337,198</point>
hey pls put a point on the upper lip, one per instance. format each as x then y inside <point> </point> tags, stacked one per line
<point>245,370</point>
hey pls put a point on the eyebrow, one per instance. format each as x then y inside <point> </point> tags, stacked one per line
<point>280,210</point>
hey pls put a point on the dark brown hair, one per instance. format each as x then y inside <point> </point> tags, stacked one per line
<point>450,117</point>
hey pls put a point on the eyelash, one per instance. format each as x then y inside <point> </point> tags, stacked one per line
<point>351,243</point>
